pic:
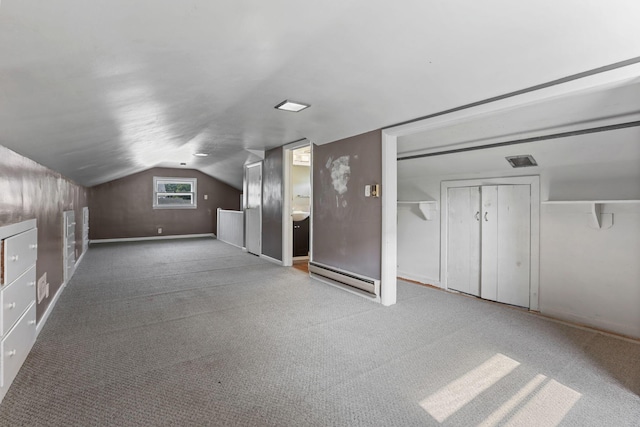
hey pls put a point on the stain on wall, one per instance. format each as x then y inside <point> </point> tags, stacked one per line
<point>124,207</point>
<point>272,197</point>
<point>346,224</point>
<point>29,190</point>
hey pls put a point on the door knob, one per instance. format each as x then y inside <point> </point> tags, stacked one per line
<point>11,306</point>
<point>14,258</point>
<point>11,353</point>
<point>477,216</point>
<point>485,216</point>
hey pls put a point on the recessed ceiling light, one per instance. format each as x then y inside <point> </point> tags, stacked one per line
<point>201,154</point>
<point>287,105</point>
<point>522,161</point>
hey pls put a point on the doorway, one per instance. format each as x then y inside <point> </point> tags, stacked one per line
<point>490,239</point>
<point>253,208</point>
<point>296,212</point>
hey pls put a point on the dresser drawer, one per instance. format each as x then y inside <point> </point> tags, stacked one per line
<point>15,298</point>
<point>20,253</point>
<point>16,346</point>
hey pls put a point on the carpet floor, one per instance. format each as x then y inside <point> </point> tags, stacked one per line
<point>196,332</point>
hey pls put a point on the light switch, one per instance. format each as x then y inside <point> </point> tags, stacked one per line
<point>367,191</point>
<point>206,196</point>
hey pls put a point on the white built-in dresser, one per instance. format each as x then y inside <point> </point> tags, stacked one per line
<point>19,246</point>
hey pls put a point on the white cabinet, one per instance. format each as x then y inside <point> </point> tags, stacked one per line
<point>19,243</point>
<point>489,242</point>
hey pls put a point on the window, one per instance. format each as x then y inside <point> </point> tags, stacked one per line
<point>174,193</point>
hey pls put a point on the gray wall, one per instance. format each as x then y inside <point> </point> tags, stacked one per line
<point>124,207</point>
<point>346,225</point>
<point>272,196</point>
<point>29,190</point>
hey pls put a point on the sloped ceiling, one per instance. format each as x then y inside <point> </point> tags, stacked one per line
<point>101,89</point>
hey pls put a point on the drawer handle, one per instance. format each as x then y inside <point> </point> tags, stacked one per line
<point>11,306</point>
<point>11,353</point>
<point>14,257</point>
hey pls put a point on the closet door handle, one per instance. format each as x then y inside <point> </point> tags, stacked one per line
<point>485,216</point>
<point>477,216</point>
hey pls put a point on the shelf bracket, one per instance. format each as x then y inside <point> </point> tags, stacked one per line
<point>427,209</point>
<point>598,219</point>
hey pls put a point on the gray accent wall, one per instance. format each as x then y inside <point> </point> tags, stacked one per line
<point>124,207</point>
<point>272,197</point>
<point>347,225</point>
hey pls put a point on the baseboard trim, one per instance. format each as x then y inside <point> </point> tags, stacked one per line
<point>607,328</point>
<point>79,260</point>
<point>142,239</point>
<point>47,313</point>
<point>424,280</point>
<point>232,244</point>
<point>273,260</point>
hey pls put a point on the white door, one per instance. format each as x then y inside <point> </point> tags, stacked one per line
<point>514,248</point>
<point>463,246</point>
<point>253,216</point>
<point>493,249</point>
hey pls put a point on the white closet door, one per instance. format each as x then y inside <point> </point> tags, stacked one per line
<point>463,246</point>
<point>489,233</point>
<point>514,244</point>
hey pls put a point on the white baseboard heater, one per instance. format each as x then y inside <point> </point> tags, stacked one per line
<point>361,284</point>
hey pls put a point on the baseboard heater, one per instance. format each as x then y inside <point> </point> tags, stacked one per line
<point>371,287</point>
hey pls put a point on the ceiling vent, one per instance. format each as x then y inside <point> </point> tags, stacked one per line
<point>522,161</point>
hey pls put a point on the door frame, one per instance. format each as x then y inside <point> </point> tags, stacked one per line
<point>287,194</point>
<point>246,197</point>
<point>534,182</point>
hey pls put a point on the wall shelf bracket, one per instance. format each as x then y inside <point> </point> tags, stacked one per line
<point>427,207</point>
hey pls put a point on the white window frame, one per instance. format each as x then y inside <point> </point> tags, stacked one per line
<point>174,180</point>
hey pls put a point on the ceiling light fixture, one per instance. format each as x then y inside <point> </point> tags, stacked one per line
<point>201,154</point>
<point>522,161</point>
<point>293,106</point>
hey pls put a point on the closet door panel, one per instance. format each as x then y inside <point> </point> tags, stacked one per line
<point>489,238</point>
<point>513,250</point>
<point>463,235</point>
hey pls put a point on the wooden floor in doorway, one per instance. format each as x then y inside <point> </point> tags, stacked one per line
<point>302,265</point>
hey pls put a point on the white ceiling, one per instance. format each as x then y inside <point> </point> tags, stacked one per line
<point>98,90</point>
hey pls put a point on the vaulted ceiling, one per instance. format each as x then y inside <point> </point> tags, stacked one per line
<point>99,89</point>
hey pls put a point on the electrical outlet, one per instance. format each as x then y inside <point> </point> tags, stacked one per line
<point>159,230</point>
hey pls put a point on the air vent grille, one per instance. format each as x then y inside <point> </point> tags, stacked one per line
<point>522,161</point>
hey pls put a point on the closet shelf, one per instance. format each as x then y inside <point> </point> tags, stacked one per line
<point>599,219</point>
<point>583,202</point>
<point>427,207</point>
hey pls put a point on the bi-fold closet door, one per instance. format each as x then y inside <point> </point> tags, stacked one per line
<point>489,242</point>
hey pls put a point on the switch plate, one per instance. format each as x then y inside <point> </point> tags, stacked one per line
<point>206,197</point>
<point>367,191</point>
<point>159,230</point>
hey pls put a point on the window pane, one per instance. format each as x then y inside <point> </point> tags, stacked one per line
<point>174,187</point>
<point>170,199</point>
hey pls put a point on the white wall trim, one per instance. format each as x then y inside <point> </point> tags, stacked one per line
<point>141,239</point>
<point>49,309</point>
<point>534,182</point>
<point>572,86</point>
<point>273,260</point>
<point>418,278</point>
<point>287,223</point>
<point>80,258</point>
<point>389,255</point>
